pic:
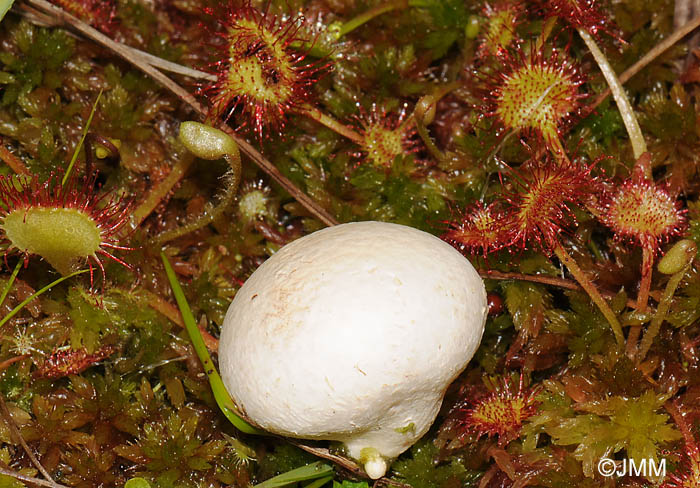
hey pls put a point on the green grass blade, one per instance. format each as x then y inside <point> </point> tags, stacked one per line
<point>36,294</point>
<point>82,140</point>
<point>8,286</point>
<point>311,471</point>
<point>220,394</point>
<point>319,482</point>
<point>4,7</point>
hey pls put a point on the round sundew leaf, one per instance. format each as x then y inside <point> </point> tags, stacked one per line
<point>206,142</point>
<point>137,483</point>
<point>60,235</point>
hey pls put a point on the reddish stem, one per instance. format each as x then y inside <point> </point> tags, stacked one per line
<point>642,299</point>
<point>5,364</point>
<point>679,418</point>
<point>331,123</point>
<point>645,283</point>
<point>592,291</point>
<point>12,161</point>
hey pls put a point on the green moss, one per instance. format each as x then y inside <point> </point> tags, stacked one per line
<point>281,458</point>
<point>422,469</point>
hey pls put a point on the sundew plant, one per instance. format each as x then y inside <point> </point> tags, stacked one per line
<point>554,143</point>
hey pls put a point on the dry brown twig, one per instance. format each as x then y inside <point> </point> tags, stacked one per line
<point>15,163</point>
<point>545,280</point>
<point>30,479</point>
<point>18,436</point>
<point>645,60</point>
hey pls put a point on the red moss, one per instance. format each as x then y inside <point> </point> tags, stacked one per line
<point>259,72</point>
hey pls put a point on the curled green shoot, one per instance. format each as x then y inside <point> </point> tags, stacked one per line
<point>676,262</point>
<point>424,113</point>
<point>223,400</point>
<point>208,143</point>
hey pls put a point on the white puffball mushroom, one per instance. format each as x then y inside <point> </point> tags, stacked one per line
<point>353,334</point>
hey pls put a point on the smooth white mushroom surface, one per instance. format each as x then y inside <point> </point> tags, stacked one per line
<point>353,334</point>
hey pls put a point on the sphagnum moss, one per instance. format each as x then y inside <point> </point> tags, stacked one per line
<point>135,405</point>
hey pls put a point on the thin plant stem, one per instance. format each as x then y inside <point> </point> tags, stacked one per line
<point>632,340</point>
<point>370,14</point>
<point>6,364</point>
<point>642,300</point>
<point>171,312</point>
<point>11,281</point>
<point>212,212</point>
<point>428,141</point>
<point>223,400</point>
<point>29,479</point>
<point>592,291</point>
<point>639,145</point>
<point>645,283</point>
<point>325,453</point>
<point>179,69</point>
<point>545,280</point>
<point>34,295</point>
<point>661,312</point>
<point>158,193</point>
<point>331,123</point>
<point>141,63</point>
<point>18,435</point>
<point>542,279</point>
<point>16,164</point>
<point>82,140</point>
<point>559,151</point>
